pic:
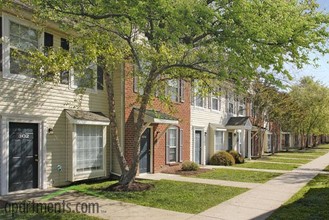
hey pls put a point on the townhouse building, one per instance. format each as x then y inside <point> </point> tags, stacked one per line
<point>49,135</point>
<point>166,141</point>
<point>219,122</point>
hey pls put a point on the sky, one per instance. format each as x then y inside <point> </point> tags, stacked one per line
<point>321,72</point>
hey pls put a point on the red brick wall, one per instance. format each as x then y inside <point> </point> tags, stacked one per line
<point>182,112</point>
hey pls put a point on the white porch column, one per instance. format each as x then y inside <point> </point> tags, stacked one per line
<point>249,144</point>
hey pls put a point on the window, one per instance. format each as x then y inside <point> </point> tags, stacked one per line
<point>215,100</point>
<point>199,101</point>
<point>173,90</point>
<point>219,140</point>
<point>86,80</point>
<point>230,103</point>
<point>20,39</point>
<point>174,145</point>
<point>242,107</point>
<point>89,148</point>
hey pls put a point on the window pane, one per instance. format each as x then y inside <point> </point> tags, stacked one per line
<point>219,140</point>
<point>22,38</point>
<point>172,155</point>
<point>215,103</point>
<point>173,89</point>
<point>199,101</point>
<point>173,144</point>
<point>89,152</point>
<point>87,79</point>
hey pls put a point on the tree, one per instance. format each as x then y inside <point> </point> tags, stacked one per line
<point>213,40</point>
<point>312,99</point>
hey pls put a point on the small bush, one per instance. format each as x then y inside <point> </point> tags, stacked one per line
<point>190,166</point>
<point>238,158</point>
<point>222,158</point>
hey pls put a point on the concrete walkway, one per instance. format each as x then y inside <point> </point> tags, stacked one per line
<point>261,201</point>
<point>159,176</point>
<point>244,168</point>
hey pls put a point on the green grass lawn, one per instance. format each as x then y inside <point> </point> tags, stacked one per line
<point>171,195</point>
<point>311,202</point>
<point>44,216</point>
<point>269,166</point>
<point>238,175</point>
<point>285,160</point>
<point>294,155</point>
<point>325,146</point>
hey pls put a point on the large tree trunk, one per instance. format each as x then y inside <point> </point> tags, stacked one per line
<point>113,124</point>
<point>129,171</point>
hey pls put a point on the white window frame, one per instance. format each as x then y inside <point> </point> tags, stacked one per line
<point>223,139</point>
<point>80,175</point>
<point>177,93</point>
<point>6,19</point>
<point>242,104</point>
<point>231,101</point>
<point>72,79</point>
<point>173,147</point>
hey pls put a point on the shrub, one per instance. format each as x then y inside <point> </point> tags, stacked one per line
<point>190,166</point>
<point>222,158</point>
<point>237,157</point>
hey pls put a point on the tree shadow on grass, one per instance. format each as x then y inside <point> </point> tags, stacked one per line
<point>313,205</point>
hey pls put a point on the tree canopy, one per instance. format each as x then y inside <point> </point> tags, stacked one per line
<point>209,40</point>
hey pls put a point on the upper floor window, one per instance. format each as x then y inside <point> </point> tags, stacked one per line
<point>19,38</point>
<point>215,100</point>
<point>230,103</point>
<point>86,80</point>
<point>242,107</point>
<point>173,90</point>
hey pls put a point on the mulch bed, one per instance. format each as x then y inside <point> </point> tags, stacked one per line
<point>134,187</point>
<point>178,171</point>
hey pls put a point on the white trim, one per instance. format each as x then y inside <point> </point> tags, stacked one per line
<point>87,174</point>
<point>89,90</point>
<point>42,151</point>
<point>203,142</point>
<point>165,121</point>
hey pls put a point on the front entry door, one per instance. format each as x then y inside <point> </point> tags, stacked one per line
<point>145,150</point>
<point>197,147</point>
<point>23,156</point>
<point>230,140</point>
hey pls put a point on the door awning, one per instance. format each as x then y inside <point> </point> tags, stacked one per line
<point>86,117</point>
<point>157,117</point>
<point>239,123</point>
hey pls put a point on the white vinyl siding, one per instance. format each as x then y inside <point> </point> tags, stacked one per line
<point>21,98</point>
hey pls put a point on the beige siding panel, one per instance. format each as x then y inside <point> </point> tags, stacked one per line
<point>22,98</point>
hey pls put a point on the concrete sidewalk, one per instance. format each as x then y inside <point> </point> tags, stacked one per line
<point>261,201</point>
<point>244,168</point>
<point>159,176</point>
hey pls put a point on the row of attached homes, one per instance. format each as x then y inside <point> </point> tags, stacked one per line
<point>50,136</point>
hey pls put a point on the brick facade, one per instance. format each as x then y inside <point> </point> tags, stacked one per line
<point>182,112</point>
